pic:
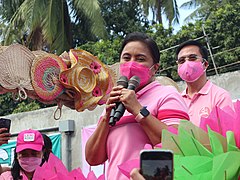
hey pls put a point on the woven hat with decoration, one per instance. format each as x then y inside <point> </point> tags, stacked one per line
<point>15,65</point>
<point>88,77</point>
<point>45,76</point>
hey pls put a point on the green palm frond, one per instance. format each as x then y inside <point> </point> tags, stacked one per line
<point>55,25</point>
<point>159,7</point>
<point>91,10</point>
<point>203,8</point>
<point>171,11</point>
<point>145,6</point>
<point>26,18</point>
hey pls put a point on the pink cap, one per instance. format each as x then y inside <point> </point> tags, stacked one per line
<point>29,139</point>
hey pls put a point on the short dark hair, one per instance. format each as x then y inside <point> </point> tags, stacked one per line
<point>142,37</point>
<point>202,49</point>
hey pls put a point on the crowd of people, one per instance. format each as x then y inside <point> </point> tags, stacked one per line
<point>148,109</point>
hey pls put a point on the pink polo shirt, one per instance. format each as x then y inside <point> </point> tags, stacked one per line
<point>8,176</point>
<point>202,103</point>
<point>127,137</point>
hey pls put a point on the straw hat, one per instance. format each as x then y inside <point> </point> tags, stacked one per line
<point>45,76</point>
<point>66,58</point>
<point>15,64</point>
<point>89,80</point>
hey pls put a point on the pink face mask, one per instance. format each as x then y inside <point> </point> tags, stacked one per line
<point>29,164</point>
<point>133,68</point>
<point>190,71</point>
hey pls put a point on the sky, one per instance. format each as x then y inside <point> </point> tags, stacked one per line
<point>183,14</point>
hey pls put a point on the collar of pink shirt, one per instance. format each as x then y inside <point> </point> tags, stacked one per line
<point>205,89</point>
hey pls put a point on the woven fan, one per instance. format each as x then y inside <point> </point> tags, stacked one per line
<point>15,64</point>
<point>45,76</point>
<point>2,48</point>
<point>39,53</point>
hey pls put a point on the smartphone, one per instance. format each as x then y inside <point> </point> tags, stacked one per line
<point>156,164</point>
<point>5,123</point>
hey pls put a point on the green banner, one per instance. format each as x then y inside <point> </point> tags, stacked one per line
<point>7,150</point>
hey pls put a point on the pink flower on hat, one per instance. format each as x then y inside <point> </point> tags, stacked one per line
<point>96,67</point>
<point>97,91</point>
<point>64,78</point>
<point>29,139</point>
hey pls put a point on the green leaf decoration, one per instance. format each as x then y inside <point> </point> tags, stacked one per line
<point>196,132</point>
<point>191,165</point>
<point>231,144</point>
<point>170,141</point>
<point>226,166</point>
<point>202,155</point>
<point>217,141</point>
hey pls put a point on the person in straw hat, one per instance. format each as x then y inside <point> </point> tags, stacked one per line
<point>28,156</point>
<point>149,109</point>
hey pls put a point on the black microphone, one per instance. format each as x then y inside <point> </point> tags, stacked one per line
<point>133,83</point>
<point>123,81</point>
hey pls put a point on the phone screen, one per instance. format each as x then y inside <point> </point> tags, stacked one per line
<point>157,164</point>
<point>5,123</point>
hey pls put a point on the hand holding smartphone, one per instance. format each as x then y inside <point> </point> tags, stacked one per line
<point>4,130</point>
<point>156,164</point>
<point>5,123</point>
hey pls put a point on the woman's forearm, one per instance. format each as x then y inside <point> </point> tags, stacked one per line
<point>95,151</point>
<point>153,128</point>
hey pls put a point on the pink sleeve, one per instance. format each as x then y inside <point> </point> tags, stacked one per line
<point>6,176</point>
<point>173,109</point>
<point>225,100</point>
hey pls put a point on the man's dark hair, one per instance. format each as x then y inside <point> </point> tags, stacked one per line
<point>202,49</point>
<point>142,37</point>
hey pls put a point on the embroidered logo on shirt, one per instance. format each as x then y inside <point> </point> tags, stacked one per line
<point>204,112</point>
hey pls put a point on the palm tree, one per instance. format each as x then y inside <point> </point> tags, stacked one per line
<point>160,7</point>
<point>203,8</point>
<point>47,23</point>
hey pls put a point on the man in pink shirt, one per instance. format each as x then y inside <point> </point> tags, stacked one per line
<point>201,95</point>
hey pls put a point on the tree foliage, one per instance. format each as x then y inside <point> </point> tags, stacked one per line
<point>9,106</point>
<point>123,17</point>
<point>222,30</point>
<point>159,8</point>
<point>47,23</point>
<point>204,8</point>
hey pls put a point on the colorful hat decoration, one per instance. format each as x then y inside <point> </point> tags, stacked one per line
<point>76,79</point>
<point>88,77</point>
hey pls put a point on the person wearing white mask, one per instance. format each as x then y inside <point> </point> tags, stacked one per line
<point>201,95</point>
<point>28,156</point>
